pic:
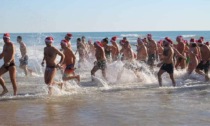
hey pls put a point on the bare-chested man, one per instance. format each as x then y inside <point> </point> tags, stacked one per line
<point>115,51</point>
<point>50,54</point>
<point>141,51</point>
<point>101,60</point>
<point>24,57</point>
<point>152,51</point>
<point>8,54</point>
<point>128,59</point>
<point>69,62</point>
<point>167,63</point>
<point>205,60</point>
<point>193,56</point>
<point>108,49</point>
<point>181,48</point>
<point>167,60</point>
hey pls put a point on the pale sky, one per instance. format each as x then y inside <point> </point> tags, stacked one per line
<point>103,15</point>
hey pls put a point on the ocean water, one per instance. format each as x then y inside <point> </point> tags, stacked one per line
<point>127,102</point>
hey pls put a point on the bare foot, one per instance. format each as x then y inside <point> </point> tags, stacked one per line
<point>4,92</point>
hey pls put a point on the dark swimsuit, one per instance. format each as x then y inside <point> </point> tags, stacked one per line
<point>204,67</point>
<point>169,68</point>
<point>10,65</point>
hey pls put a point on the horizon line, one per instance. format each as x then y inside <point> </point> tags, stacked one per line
<point>108,31</point>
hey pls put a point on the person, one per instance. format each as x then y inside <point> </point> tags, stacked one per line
<point>81,49</point>
<point>100,62</point>
<point>141,51</point>
<point>181,48</point>
<point>8,55</point>
<point>160,49</point>
<point>86,47</point>
<point>68,39</point>
<point>108,49</point>
<point>152,51</point>
<point>205,60</point>
<point>91,49</point>
<point>115,51</point>
<point>193,56</point>
<point>167,62</point>
<point>50,54</point>
<point>128,59</point>
<point>69,63</point>
<point>24,57</point>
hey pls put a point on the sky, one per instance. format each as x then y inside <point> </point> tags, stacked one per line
<point>103,15</point>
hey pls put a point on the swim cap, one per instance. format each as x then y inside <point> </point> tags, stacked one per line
<point>49,39</point>
<point>192,40</point>
<point>6,35</point>
<point>207,43</point>
<point>199,41</point>
<point>168,40</point>
<point>98,43</point>
<point>69,35</point>
<point>114,38</point>
<point>64,42</point>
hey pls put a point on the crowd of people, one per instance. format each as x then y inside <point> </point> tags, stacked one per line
<point>192,56</point>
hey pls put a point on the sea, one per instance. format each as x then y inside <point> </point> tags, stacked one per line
<point>129,101</point>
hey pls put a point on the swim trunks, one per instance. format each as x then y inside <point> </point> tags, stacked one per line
<point>204,67</point>
<point>8,66</point>
<point>69,70</point>
<point>101,64</point>
<point>151,59</point>
<point>169,68</point>
<point>24,61</point>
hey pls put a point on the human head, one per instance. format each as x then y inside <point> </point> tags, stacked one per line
<point>200,43</point>
<point>167,41</point>
<point>83,38</point>
<point>19,38</point>
<point>89,41</point>
<point>97,44</point>
<point>68,36</point>
<point>6,37</point>
<point>140,41</point>
<point>79,40</point>
<point>179,39</point>
<point>64,44</point>
<point>49,40</point>
<point>149,37</point>
<point>105,41</point>
<point>114,39</point>
<point>202,39</point>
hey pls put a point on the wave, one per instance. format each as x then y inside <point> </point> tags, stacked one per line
<point>129,35</point>
<point>188,36</point>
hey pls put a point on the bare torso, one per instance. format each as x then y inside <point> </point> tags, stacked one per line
<point>50,56</point>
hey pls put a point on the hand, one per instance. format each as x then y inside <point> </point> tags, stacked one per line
<point>59,66</point>
<point>7,64</point>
